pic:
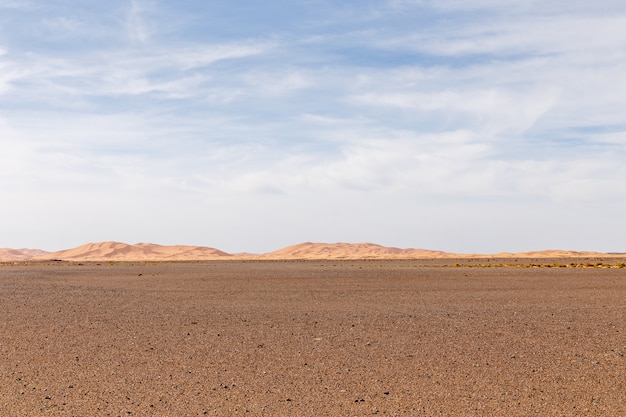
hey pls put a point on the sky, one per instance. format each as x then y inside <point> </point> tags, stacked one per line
<point>475,126</point>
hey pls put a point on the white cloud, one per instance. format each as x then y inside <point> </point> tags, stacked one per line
<point>491,111</point>
<point>201,56</point>
<point>458,165</point>
<point>547,35</point>
<point>175,73</point>
<point>136,26</point>
<point>63,27</point>
<point>14,152</point>
<point>514,7</point>
<point>16,4</point>
<point>8,72</point>
<point>485,111</point>
<point>278,83</point>
<point>611,138</point>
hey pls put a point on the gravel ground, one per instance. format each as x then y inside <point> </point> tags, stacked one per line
<point>311,338</point>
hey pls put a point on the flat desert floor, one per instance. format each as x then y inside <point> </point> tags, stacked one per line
<point>311,338</point>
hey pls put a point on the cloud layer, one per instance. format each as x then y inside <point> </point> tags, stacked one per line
<point>462,126</point>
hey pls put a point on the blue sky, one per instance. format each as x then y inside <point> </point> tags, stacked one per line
<point>464,126</point>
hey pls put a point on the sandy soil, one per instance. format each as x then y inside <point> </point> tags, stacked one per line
<point>311,338</point>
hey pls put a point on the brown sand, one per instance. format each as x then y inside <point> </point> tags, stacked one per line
<point>311,338</point>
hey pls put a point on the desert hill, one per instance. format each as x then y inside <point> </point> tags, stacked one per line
<point>310,250</point>
<point>548,254</point>
<point>7,254</point>
<point>117,251</point>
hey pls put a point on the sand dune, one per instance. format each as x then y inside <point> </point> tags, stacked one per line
<point>117,251</point>
<point>548,254</point>
<point>8,254</point>
<point>309,250</point>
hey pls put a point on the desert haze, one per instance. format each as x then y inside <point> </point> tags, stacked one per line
<point>117,251</point>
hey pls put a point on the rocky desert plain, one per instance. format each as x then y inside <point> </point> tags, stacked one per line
<point>111,329</point>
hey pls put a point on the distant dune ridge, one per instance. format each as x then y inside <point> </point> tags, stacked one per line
<point>309,250</point>
<point>20,254</point>
<point>117,251</point>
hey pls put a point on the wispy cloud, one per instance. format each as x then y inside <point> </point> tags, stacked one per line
<point>167,71</point>
<point>453,111</point>
<point>137,28</point>
<point>16,4</point>
<point>532,35</point>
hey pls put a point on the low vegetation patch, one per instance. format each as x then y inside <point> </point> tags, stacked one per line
<point>542,265</point>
